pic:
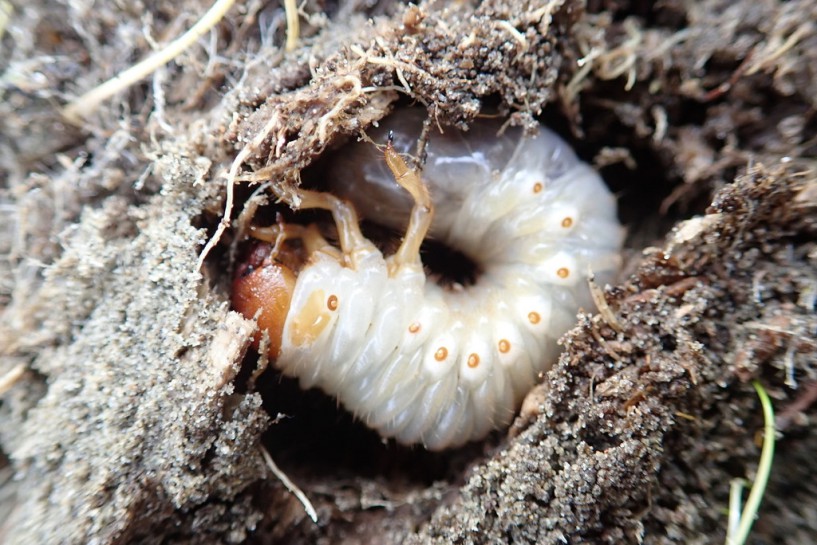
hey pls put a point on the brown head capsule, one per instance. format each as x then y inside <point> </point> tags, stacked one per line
<point>267,288</point>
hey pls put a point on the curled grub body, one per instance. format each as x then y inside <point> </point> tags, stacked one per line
<point>415,360</point>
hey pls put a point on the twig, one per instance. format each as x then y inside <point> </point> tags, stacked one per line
<point>231,180</point>
<point>603,307</point>
<point>297,492</point>
<point>293,25</point>
<point>81,107</point>
<point>11,378</point>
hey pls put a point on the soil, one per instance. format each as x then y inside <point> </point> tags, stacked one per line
<point>131,411</point>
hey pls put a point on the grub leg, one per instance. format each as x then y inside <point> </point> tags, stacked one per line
<point>421,214</point>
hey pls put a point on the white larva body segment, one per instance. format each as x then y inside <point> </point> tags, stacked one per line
<point>441,366</point>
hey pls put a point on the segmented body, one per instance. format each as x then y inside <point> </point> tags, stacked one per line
<point>439,365</point>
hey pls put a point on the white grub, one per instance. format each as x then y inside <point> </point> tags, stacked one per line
<point>424,363</point>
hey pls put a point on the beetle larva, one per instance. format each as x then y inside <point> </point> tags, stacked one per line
<point>418,361</point>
